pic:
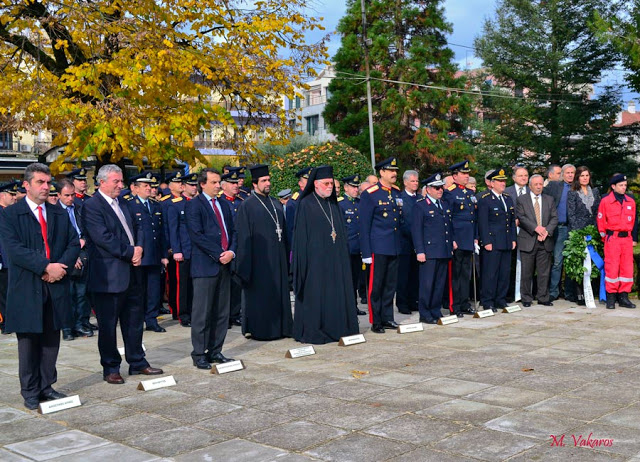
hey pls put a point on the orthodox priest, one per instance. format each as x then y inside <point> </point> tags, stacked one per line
<point>261,263</point>
<point>321,268</point>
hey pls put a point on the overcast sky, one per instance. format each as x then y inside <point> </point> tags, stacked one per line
<point>467,18</point>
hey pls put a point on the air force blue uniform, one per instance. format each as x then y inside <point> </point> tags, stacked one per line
<point>432,235</point>
<point>180,243</point>
<point>496,226</point>
<point>349,207</point>
<point>407,288</point>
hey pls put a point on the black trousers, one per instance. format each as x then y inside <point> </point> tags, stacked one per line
<point>152,282</point>
<point>235,301</point>
<point>37,356</point>
<point>127,308</point>
<point>460,277</point>
<point>210,314</point>
<point>183,290</point>
<point>363,284</point>
<point>433,278</point>
<point>4,285</point>
<point>172,286</point>
<point>407,287</point>
<point>79,301</point>
<point>538,260</point>
<point>356,271</point>
<point>383,279</point>
<point>496,268</point>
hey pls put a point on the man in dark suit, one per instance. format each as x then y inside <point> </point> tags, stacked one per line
<point>538,221</point>
<point>114,244</point>
<point>407,287</point>
<point>80,326</point>
<point>518,188</point>
<point>7,198</point>
<point>40,246</point>
<point>213,245</point>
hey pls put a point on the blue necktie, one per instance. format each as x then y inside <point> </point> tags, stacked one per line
<point>72,217</point>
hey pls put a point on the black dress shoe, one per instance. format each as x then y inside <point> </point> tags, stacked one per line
<point>114,379</point>
<point>31,403</point>
<point>404,311</point>
<point>361,313</point>
<point>460,315</point>
<point>236,322</point>
<point>422,319</point>
<point>545,303</point>
<point>432,321</point>
<point>146,371</point>
<point>51,395</point>
<point>185,323</point>
<point>156,328</point>
<point>526,304</point>
<point>364,301</point>
<point>91,326</point>
<point>218,358</point>
<point>390,325</point>
<point>495,310</point>
<point>82,331</point>
<point>201,363</point>
<point>67,335</point>
<point>164,310</point>
<point>377,329</point>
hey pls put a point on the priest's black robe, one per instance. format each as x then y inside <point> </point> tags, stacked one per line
<point>261,264</point>
<point>321,275</point>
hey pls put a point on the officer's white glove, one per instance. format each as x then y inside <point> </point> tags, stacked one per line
<point>367,261</point>
<point>477,247</point>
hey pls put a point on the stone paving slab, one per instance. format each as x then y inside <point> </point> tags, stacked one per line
<point>491,389</point>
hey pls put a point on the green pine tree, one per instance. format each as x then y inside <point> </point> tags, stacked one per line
<point>421,126</point>
<point>547,52</point>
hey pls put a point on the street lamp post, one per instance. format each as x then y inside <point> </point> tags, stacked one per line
<point>366,42</point>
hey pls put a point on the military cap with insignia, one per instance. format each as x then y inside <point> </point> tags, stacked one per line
<point>11,187</point>
<point>53,189</point>
<point>144,177</point>
<point>191,178</point>
<point>302,173</point>
<point>259,170</point>
<point>353,180</point>
<point>285,194</point>
<point>488,173</point>
<point>461,167</point>
<point>156,181</point>
<point>21,189</point>
<point>615,179</point>
<point>232,177</point>
<point>175,177</point>
<point>434,180</point>
<point>77,174</point>
<point>390,163</point>
<point>498,174</point>
<point>238,170</point>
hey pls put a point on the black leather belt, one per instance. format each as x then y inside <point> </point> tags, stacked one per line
<point>619,233</point>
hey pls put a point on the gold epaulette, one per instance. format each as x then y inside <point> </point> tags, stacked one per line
<point>452,187</point>
<point>373,188</point>
<point>127,197</point>
<point>395,187</point>
<point>340,198</point>
<point>153,199</point>
<point>164,198</point>
<point>485,194</point>
<point>176,199</point>
<point>220,193</point>
<point>295,196</point>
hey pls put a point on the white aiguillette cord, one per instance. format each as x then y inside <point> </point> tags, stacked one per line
<point>274,217</point>
<point>333,230</point>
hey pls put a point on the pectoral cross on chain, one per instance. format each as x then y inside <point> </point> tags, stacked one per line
<point>333,235</point>
<point>279,232</point>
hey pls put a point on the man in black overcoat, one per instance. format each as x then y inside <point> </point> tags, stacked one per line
<point>41,247</point>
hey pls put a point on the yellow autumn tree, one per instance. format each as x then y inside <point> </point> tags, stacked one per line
<point>140,78</point>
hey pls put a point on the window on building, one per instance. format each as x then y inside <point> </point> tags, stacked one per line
<point>297,102</point>
<point>312,124</point>
<point>6,140</point>
<point>315,95</point>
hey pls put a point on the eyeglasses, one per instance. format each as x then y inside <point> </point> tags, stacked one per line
<point>437,187</point>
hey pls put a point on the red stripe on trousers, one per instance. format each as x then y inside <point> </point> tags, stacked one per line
<point>369,291</point>
<point>178,288</point>
<point>451,290</point>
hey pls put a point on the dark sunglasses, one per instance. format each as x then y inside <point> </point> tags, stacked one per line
<point>437,187</point>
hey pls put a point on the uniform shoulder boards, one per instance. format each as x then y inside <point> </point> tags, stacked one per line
<point>373,188</point>
<point>395,187</point>
<point>485,194</point>
<point>127,197</point>
<point>419,200</point>
<point>164,198</point>
<point>340,198</point>
<point>295,195</point>
<point>505,194</point>
<point>452,187</point>
<point>176,199</point>
<point>239,197</point>
<point>153,199</point>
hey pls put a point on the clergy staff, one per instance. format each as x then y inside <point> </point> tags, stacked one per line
<point>262,263</point>
<point>321,270</point>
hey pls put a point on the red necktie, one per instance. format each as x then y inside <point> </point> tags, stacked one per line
<point>223,239</point>
<point>43,228</point>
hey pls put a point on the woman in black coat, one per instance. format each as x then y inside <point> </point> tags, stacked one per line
<point>582,208</point>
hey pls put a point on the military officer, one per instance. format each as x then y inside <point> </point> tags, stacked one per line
<point>380,222</point>
<point>148,213</point>
<point>176,187</point>
<point>180,250</point>
<point>303,176</point>
<point>79,178</point>
<point>348,204</point>
<point>462,203</point>
<point>432,233</point>
<point>497,235</point>
<point>231,194</point>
